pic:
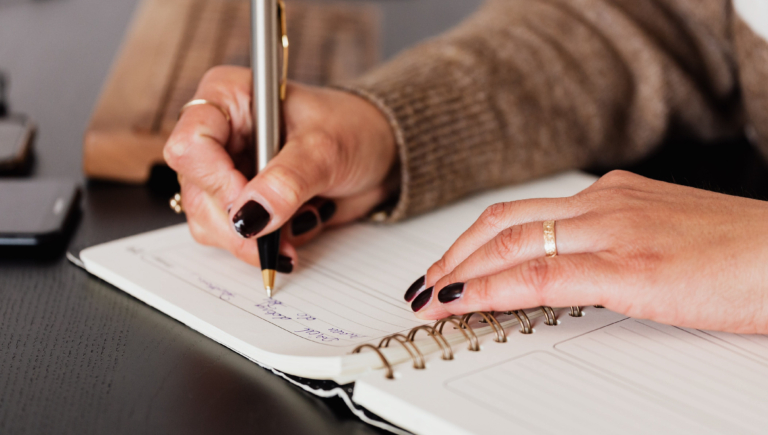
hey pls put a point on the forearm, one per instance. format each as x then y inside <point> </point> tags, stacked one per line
<point>526,88</point>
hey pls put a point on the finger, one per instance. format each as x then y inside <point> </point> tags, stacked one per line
<point>521,243</point>
<point>564,280</point>
<point>209,225</point>
<point>321,213</point>
<point>352,208</point>
<point>304,226</point>
<point>497,218</point>
<point>303,169</point>
<point>196,147</point>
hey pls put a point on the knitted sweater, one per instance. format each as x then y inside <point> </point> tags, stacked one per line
<point>525,88</point>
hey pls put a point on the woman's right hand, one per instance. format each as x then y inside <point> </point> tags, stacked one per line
<point>333,168</point>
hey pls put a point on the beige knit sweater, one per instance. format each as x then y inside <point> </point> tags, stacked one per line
<point>526,88</point>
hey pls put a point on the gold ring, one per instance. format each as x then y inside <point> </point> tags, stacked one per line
<point>201,102</point>
<point>176,204</point>
<point>550,246</point>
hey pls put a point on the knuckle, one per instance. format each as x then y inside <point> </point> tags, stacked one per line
<point>439,268</point>
<point>326,152</point>
<point>287,182</point>
<point>617,176</point>
<point>217,73</point>
<point>509,243</point>
<point>321,142</point>
<point>481,291</point>
<point>173,151</point>
<point>495,215</point>
<point>536,276</point>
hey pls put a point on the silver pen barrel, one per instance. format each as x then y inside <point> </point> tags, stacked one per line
<point>266,78</point>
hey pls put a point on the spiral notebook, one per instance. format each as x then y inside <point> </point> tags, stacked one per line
<point>340,318</point>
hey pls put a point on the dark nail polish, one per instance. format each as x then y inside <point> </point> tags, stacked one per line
<point>303,223</point>
<point>414,288</point>
<point>450,292</point>
<point>284,264</point>
<point>251,219</point>
<point>422,300</point>
<point>326,211</point>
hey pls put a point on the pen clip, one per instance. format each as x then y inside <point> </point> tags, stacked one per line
<point>284,43</point>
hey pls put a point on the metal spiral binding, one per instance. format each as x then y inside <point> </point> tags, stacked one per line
<point>390,373</point>
<point>469,334</point>
<point>437,336</point>
<point>525,322</point>
<point>549,314</point>
<point>462,324</point>
<point>501,336</point>
<point>418,358</point>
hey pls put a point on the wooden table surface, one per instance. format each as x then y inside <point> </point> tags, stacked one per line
<point>79,356</point>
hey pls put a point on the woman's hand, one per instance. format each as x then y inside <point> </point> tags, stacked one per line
<point>333,168</point>
<point>643,248</point>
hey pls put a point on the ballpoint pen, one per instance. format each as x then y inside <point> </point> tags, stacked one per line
<point>268,32</point>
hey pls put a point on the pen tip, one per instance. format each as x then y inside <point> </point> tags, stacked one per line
<point>268,276</point>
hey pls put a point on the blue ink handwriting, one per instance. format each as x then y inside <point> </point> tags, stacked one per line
<point>317,335</point>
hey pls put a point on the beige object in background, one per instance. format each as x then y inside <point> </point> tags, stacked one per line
<point>171,43</point>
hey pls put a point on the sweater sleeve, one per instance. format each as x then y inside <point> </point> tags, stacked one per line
<point>526,88</point>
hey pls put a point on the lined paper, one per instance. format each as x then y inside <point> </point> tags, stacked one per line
<point>339,304</point>
<point>549,395</point>
<point>688,370</point>
<point>601,373</point>
<point>347,289</point>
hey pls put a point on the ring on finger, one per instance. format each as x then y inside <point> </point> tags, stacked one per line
<point>550,244</point>
<point>176,204</point>
<point>202,102</point>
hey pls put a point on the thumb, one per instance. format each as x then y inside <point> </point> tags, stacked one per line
<point>304,168</point>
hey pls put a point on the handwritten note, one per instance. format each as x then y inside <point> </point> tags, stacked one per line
<point>322,306</point>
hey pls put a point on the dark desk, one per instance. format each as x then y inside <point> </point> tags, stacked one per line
<point>79,356</point>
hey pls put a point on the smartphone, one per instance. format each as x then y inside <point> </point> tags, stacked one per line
<point>16,136</point>
<point>36,213</point>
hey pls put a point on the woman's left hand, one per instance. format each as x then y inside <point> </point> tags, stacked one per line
<point>643,248</point>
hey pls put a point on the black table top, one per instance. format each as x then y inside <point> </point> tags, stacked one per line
<point>78,355</point>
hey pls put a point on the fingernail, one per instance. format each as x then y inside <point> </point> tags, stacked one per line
<point>326,211</point>
<point>303,223</point>
<point>417,286</point>
<point>450,292</point>
<point>422,300</point>
<point>284,264</point>
<point>251,219</point>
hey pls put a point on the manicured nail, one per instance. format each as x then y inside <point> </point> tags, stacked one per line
<point>326,211</point>
<point>284,264</point>
<point>416,287</point>
<point>303,223</point>
<point>251,219</point>
<point>450,292</point>
<point>422,300</point>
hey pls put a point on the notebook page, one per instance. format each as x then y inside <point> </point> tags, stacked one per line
<point>347,289</point>
<point>603,373</point>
